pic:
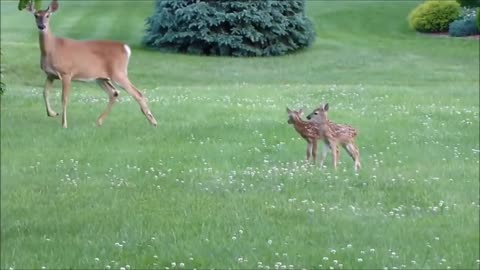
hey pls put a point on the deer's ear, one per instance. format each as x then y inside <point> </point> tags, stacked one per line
<point>288,110</point>
<point>53,6</point>
<point>325,107</point>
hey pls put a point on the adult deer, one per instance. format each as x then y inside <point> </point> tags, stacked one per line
<point>70,60</point>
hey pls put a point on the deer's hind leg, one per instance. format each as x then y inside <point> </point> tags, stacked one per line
<point>125,83</point>
<point>112,93</point>
<point>352,150</point>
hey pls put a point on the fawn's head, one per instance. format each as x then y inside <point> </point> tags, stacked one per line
<point>319,114</point>
<point>42,16</point>
<point>294,115</point>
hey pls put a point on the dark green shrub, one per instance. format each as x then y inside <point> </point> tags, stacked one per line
<point>469,3</point>
<point>463,27</point>
<point>225,27</point>
<point>478,19</point>
<point>2,88</point>
<point>434,16</point>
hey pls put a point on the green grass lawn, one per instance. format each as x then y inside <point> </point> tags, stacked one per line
<point>221,182</point>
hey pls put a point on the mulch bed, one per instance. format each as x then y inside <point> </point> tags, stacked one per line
<point>445,34</point>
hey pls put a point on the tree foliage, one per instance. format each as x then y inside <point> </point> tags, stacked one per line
<point>22,4</point>
<point>469,3</point>
<point>226,27</point>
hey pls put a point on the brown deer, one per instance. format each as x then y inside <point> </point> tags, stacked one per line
<point>308,130</point>
<point>70,60</point>
<point>335,134</point>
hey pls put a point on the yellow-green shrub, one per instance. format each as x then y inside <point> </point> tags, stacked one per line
<point>434,16</point>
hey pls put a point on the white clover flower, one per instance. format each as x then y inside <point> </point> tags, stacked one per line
<point>182,265</point>
<point>359,260</point>
<point>269,242</point>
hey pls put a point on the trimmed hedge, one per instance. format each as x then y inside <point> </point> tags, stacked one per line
<point>434,16</point>
<point>233,28</point>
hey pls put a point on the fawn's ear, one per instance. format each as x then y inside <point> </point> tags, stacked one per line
<point>53,6</point>
<point>325,107</point>
<point>288,110</point>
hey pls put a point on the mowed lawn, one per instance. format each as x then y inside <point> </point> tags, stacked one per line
<point>221,182</point>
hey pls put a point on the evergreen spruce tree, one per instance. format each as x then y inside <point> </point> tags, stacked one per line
<point>226,27</point>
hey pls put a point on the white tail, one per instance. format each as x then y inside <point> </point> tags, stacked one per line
<point>71,60</point>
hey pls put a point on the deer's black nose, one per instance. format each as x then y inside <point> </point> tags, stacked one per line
<point>41,27</point>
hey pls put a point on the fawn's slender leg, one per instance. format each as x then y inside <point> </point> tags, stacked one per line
<point>314,151</point>
<point>123,81</point>
<point>324,154</point>
<point>352,149</point>
<point>309,150</point>
<point>112,93</point>
<point>66,80</point>
<point>46,96</point>
<point>333,147</point>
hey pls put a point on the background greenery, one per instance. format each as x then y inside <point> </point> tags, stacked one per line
<point>229,28</point>
<point>220,182</point>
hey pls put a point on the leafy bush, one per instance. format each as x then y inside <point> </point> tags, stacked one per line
<point>469,3</point>
<point>225,27</point>
<point>463,27</point>
<point>434,16</point>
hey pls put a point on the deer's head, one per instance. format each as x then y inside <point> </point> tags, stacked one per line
<point>319,114</point>
<point>294,115</point>
<point>42,16</point>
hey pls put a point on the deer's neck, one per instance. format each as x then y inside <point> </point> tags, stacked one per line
<point>299,124</point>
<point>47,42</point>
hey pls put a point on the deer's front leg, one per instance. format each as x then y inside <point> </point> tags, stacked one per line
<point>333,147</point>
<point>309,150</point>
<point>324,154</point>
<point>46,94</point>
<point>314,151</point>
<point>66,80</point>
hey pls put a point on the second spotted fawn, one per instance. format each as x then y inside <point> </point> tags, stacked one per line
<point>308,130</point>
<point>334,134</point>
